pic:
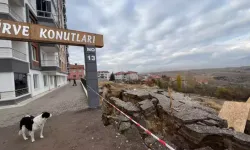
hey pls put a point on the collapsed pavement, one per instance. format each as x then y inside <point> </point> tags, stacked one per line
<point>187,125</point>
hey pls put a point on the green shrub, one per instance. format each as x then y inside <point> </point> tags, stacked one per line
<point>222,92</point>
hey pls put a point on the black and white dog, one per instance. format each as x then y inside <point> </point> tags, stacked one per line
<point>33,124</point>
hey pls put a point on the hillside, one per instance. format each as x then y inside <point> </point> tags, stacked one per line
<point>221,76</point>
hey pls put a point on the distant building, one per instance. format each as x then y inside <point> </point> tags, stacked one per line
<point>130,75</point>
<point>120,76</point>
<point>155,77</point>
<point>76,72</point>
<point>202,81</point>
<point>103,74</point>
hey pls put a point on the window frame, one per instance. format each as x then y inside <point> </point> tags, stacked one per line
<point>51,80</point>
<point>34,46</point>
<point>36,81</point>
<point>34,52</point>
<point>21,89</point>
<point>45,80</point>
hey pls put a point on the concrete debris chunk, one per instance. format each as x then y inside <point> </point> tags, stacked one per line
<point>236,114</point>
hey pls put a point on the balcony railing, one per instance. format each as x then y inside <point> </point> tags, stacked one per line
<point>14,94</point>
<point>11,11</point>
<point>47,63</point>
<point>11,52</point>
<point>47,15</point>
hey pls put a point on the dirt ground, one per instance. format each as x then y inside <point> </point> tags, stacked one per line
<point>78,130</point>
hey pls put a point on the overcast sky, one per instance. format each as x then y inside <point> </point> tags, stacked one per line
<point>158,35</point>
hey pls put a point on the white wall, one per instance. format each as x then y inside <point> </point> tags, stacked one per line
<point>132,76</point>
<point>54,12</point>
<point>51,82</point>
<point>5,49</point>
<point>10,49</point>
<point>41,87</point>
<point>119,77</point>
<point>61,80</point>
<point>32,5</point>
<point>19,49</point>
<point>4,6</point>
<point>50,59</point>
<point>17,12</point>
<point>7,84</point>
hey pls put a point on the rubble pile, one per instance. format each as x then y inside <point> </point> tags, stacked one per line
<point>187,125</point>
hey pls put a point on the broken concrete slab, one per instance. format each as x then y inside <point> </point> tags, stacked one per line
<point>135,95</point>
<point>193,126</point>
<point>122,118</point>
<point>147,107</point>
<point>248,101</point>
<point>128,106</point>
<point>124,126</point>
<point>236,114</point>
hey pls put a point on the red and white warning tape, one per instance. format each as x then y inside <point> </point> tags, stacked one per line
<point>146,130</point>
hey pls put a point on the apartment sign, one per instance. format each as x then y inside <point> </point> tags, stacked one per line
<point>20,31</point>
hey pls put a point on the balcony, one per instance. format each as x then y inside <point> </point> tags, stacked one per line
<point>8,52</point>
<point>49,48</point>
<point>47,18</point>
<point>11,11</point>
<point>50,65</point>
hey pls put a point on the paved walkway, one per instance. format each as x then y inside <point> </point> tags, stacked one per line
<point>72,127</point>
<point>66,98</point>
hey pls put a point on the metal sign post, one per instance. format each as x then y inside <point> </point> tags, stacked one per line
<point>91,76</point>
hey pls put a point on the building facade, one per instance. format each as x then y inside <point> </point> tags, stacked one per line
<point>130,75</point>
<point>76,72</point>
<point>120,75</point>
<point>28,68</point>
<point>103,74</point>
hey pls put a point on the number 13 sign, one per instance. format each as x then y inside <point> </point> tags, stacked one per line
<point>91,57</point>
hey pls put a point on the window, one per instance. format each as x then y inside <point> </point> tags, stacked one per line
<point>32,18</point>
<point>43,56</point>
<point>21,85</point>
<point>34,52</point>
<point>35,78</point>
<point>43,8</point>
<point>79,70</point>
<point>74,70</point>
<point>80,76</point>
<point>45,80</point>
<point>34,46</point>
<point>74,76</point>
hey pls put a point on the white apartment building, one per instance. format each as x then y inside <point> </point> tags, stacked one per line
<point>130,75</point>
<point>28,68</point>
<point>103,74</point>
<point>120,75</point>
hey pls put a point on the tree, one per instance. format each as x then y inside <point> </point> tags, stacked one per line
<point>166,78</point>
<point>112,77</point>
<point>178,80</point>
